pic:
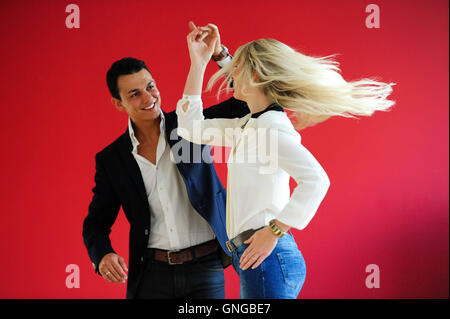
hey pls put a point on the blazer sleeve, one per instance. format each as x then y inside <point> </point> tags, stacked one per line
<point>102,213</point>
<point>228,109</point>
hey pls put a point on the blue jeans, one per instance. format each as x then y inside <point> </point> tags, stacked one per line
<point>203,278</point>
<point>280,276</point>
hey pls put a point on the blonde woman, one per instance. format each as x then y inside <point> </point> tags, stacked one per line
<point>270,77</point>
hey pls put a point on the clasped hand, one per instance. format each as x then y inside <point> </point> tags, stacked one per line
<point>202,44</point>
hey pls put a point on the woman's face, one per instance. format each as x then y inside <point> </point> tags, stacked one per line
<point>237,86</point>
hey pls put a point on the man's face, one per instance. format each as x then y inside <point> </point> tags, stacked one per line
<point>140,97</point>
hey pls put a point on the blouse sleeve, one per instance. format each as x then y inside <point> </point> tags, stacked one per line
<point>312,180</point>
<point>193,126</point>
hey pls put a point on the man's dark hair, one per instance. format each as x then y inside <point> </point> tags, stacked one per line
<point>121,67</point>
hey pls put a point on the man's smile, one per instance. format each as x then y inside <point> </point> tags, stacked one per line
<point>150,106</point>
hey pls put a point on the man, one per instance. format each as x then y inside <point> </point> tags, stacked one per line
<point>176,209</point>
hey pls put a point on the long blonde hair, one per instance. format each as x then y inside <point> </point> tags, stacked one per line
<point>309,86</point>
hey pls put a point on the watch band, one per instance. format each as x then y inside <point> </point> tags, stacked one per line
<point>274,228</point>
<point>223,54</point>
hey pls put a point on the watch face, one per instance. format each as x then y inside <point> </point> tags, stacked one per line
<point>224,52</point>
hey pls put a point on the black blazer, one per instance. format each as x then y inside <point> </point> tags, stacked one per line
<point>119,183</point>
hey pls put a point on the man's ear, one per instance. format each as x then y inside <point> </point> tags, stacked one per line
<point>117,103</point>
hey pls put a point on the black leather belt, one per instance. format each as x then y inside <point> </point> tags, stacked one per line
<point>177,257</point>
<point>238,241</point>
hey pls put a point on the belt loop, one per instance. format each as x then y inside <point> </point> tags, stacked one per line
<point>151,255</point>
<point>289,231</point>
<point>194,257</point>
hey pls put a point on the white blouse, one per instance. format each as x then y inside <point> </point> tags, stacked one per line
<point>265,152</point>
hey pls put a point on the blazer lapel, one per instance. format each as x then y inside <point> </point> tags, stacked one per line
<point>170,125</point>
<point>132,167</point>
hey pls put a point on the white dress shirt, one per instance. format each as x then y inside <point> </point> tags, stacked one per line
<point>257,193</point>
<point>174,222</point>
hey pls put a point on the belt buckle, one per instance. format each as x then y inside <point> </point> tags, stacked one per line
<point>168,257</point>
<point>229,246</point>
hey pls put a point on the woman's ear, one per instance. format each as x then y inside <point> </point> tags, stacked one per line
<point>255,77</point>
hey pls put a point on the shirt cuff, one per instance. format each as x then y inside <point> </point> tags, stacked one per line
<point>192,98</point>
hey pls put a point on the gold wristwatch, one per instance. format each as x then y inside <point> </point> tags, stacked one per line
<point>274,228</point>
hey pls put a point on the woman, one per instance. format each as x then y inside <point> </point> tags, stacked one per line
<point>270,76</point>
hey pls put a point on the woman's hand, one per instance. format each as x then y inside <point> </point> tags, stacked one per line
<point>200,51</point>
<point>261,246</point>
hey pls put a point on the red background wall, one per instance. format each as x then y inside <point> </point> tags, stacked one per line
<point>388,201</point>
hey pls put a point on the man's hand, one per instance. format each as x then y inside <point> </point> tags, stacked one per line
<point>112,268</point>
<point>212,32</point>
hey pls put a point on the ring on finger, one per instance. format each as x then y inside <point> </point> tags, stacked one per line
<point>107,273</point>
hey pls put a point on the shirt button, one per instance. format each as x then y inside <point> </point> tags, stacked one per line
<point>142,259</point>
<point>146,232</point>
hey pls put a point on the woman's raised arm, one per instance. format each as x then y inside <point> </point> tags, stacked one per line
<point>192,125</point>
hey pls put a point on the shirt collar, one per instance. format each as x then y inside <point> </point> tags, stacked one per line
<point>271,107</point>
<point>134,140</point>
